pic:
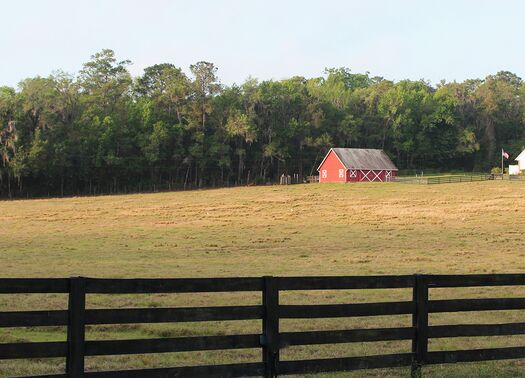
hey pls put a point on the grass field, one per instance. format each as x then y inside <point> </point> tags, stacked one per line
<point>296,230</point>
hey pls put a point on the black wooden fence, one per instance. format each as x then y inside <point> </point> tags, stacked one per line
<point>271,341</point>
<point>431,180</point>
<point>455,179</point>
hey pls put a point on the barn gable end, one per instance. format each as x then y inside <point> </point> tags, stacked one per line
<point>332,169</point>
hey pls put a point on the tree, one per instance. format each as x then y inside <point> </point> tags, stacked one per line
<point>105,82</point>
<point>241,128</point>
<point>8,133</point>
<point>205,85</point>
<point>38,101</point>
<point>167,86</point>
<point>501,110</point>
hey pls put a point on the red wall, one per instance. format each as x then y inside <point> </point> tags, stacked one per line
<point>361,176</point>
<point>332,165</point>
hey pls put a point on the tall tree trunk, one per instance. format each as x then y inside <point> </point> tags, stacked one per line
<point>490,133</point>
<point>187,174</point>
<point>315,163</point>
<point>196,174</point>
<point>239,170</point>
<point>203,115</point>
<point>385,131</point>
<point>9,185</point>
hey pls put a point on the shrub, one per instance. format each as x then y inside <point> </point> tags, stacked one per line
<point>496,170</point>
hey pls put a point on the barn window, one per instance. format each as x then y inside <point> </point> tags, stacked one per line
<point>341,173</point>
<point>353,173</point>
<point>323,173</point>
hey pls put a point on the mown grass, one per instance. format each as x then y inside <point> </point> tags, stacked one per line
<point>297,230</point>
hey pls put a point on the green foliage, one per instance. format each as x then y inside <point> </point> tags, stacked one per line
<point>103,131</point>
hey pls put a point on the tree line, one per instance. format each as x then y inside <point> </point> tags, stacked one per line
<point>103,131</point>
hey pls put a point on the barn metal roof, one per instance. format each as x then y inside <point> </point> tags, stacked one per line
<point>364,158</point>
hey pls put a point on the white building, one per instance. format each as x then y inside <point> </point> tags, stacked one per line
<point>521,160</point>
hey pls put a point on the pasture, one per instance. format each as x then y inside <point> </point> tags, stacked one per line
<point>316,229</point>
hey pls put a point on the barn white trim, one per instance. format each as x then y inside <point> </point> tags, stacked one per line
<point>365,175</point>
<point>377,176</point>
<point>371,175</point>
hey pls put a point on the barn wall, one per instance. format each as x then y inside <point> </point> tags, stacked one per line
<point>332,165</point>
<point>352,175</point>
<point>381,175</point>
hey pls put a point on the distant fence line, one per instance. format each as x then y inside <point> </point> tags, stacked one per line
<point>430,180</point>
<point>271,340</point>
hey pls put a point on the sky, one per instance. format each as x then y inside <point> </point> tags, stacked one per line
<point>403,39</point>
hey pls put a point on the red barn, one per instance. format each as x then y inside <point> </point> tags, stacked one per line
<point>356,165</point>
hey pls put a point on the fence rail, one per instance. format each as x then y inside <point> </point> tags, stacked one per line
<point>271,340</point>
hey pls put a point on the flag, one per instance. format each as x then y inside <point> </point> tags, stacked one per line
<point>504,154</point>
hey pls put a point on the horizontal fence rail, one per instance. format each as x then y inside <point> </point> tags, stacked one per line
<point>169,315</point>
<point>271,340</point>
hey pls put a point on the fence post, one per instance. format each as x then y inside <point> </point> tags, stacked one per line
<point>270,337</point>
<point>420,322</point>
<point>76,327</point>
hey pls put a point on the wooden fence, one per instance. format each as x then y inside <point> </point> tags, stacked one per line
<point>430,180</point>
<point>271,341</point>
